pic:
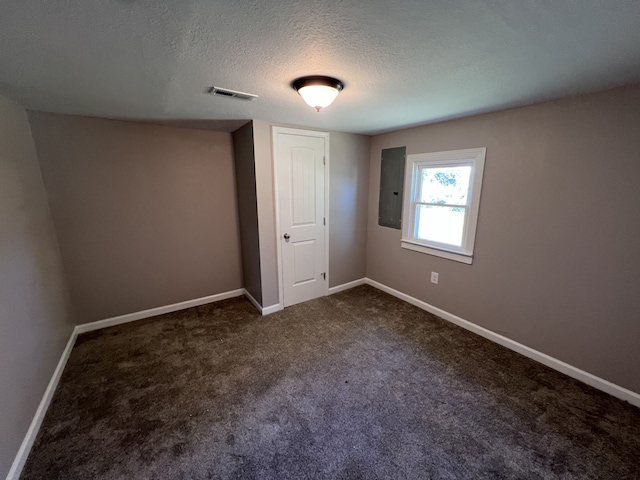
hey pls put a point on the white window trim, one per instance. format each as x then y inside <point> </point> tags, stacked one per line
<point>472,156</point>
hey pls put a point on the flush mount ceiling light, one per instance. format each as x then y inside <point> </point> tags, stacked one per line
<point>317,90</point>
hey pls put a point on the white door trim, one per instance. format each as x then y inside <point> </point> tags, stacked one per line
<point>306,133</point>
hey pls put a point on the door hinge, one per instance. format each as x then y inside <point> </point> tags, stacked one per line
<point>324,275</point>
<point>324,220</point>
<point>324,160</point>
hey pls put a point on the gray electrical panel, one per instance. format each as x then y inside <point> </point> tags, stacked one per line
<point>391,186</point>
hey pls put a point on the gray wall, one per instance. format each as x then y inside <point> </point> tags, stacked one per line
<point>35,314</point>
<point>245,166</point>
<point>557,264</point>
<point>145,215</point>
<point>348,203</point>
<point>266,212</point>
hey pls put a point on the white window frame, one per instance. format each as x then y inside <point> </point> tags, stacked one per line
<point>473,157</point>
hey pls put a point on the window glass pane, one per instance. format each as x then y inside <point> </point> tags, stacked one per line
<point>446,185</point>
<point>440,224</point>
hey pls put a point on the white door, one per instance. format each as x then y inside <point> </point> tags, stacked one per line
<point>300,174</point>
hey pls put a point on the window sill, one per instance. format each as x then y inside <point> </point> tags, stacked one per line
<point>457,257</point>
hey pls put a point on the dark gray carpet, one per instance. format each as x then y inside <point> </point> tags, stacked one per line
<point>358,385</point>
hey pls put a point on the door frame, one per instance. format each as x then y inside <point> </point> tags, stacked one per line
<point>276,192</point>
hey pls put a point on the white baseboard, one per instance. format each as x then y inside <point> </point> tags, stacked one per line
<point>347,286</point>
<point>253,300</point>
<point>585,377</point>
<point>261,309</point>
<point>271,309</point>
<point>592,380</point>
<point>152,312</point>
<point>32,432</point>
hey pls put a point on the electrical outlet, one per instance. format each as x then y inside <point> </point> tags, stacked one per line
<point>434,277</point>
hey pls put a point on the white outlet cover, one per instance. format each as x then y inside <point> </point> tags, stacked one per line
<point>434,277</point>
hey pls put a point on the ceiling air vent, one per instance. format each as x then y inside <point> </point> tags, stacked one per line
<point>225,92</point>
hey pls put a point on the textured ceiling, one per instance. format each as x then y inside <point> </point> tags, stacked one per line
<point>403,62</point>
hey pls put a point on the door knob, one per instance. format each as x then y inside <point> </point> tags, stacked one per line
<point>286,236</point>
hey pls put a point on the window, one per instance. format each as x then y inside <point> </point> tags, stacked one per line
<point>441,200</point>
